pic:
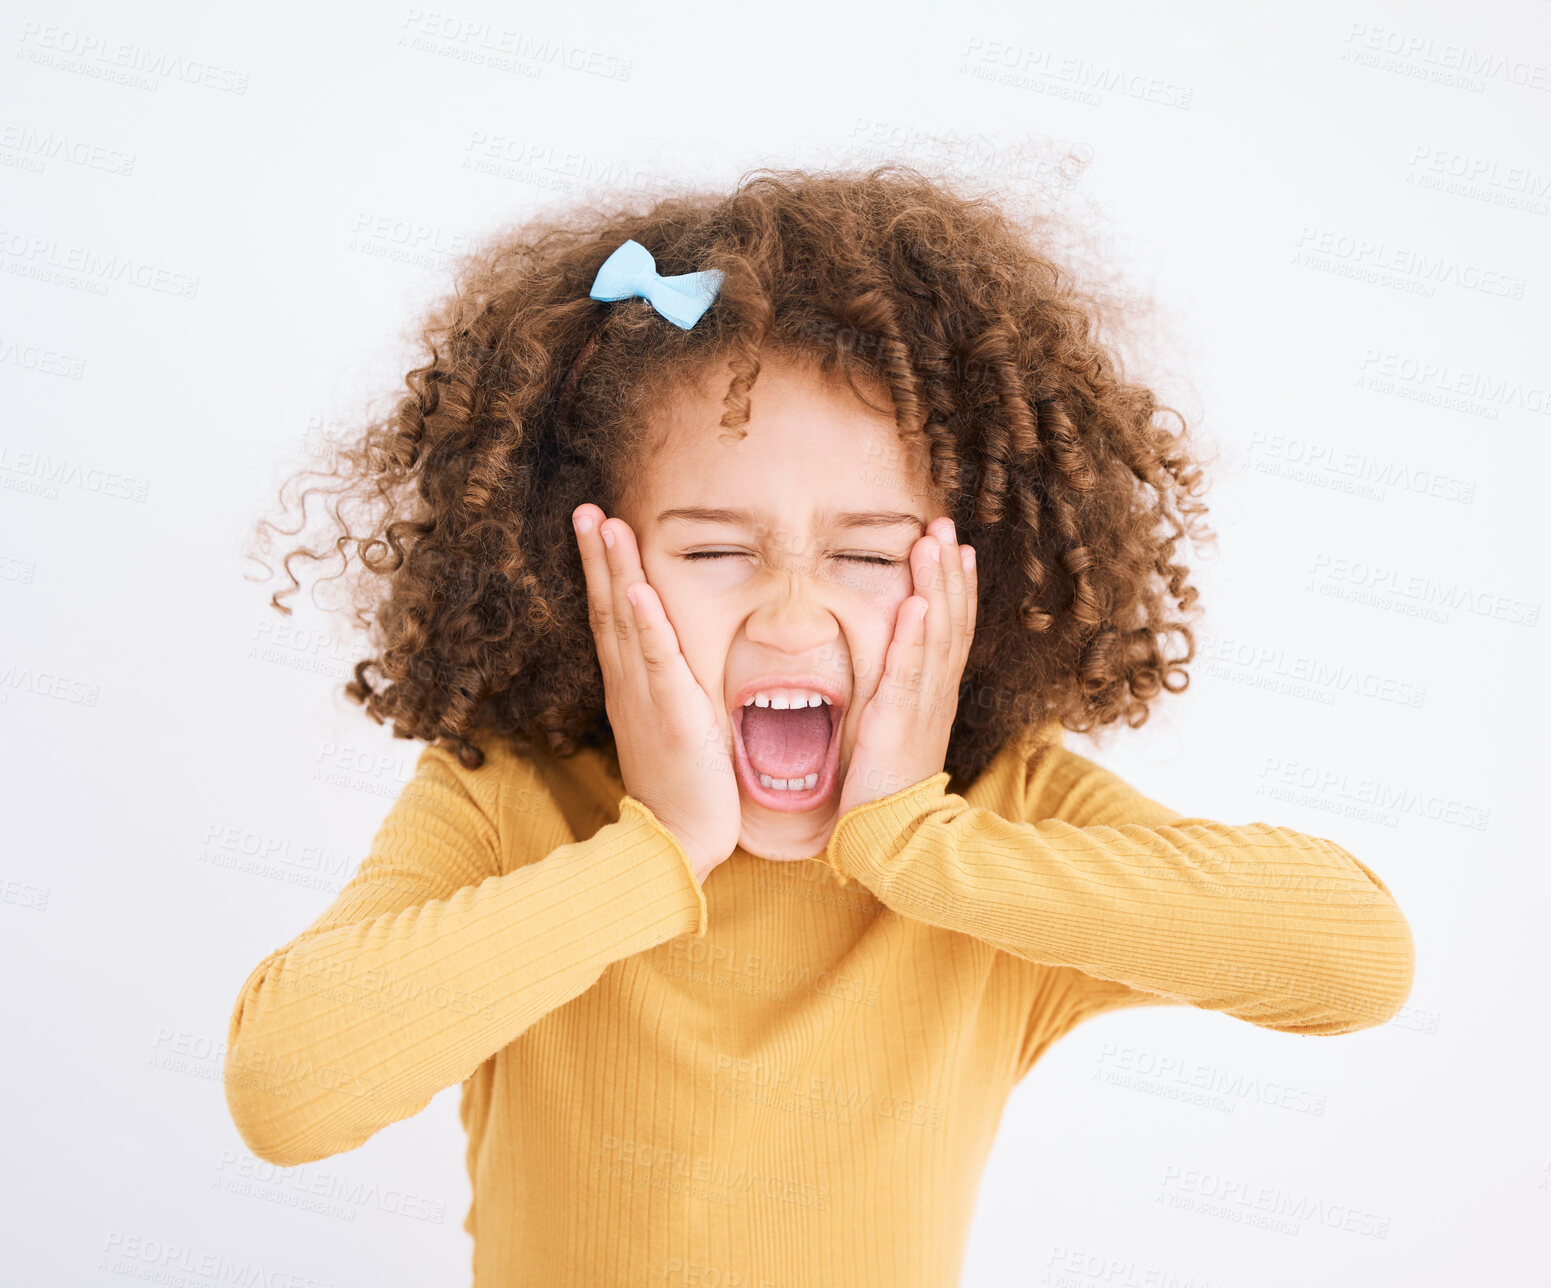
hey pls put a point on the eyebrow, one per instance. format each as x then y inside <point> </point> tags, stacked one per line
<point>747,518</point>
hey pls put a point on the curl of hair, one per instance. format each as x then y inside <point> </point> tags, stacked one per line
<point>532,398</point>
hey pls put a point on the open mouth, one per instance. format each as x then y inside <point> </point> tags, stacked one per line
<point>790,760</point>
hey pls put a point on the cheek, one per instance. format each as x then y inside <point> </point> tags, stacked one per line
<point>700,618</point>
<point>869,631</point>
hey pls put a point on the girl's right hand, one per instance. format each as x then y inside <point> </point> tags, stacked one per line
<point>674,742</point>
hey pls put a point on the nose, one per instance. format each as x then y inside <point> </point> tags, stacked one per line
<point>789,613</point>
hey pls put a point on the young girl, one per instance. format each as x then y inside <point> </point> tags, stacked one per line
<point>742,561</point>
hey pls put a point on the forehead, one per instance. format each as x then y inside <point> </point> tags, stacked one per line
<point>810,446</point>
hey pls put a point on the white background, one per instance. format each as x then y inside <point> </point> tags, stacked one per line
<point>1335,317</point>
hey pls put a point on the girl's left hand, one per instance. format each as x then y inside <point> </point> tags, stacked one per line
<point>902,734</point>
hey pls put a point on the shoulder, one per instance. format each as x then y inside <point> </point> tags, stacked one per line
<point>1063,784</point>
<point>534,799</point>
<point>1004,785</point>
<point>439,766</point>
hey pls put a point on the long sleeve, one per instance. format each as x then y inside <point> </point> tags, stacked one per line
<point>1131,903</point>
<point>432,959</point>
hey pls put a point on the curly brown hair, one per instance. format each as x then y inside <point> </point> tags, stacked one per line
<point>535,398</point>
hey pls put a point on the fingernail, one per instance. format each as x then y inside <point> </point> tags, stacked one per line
<point>969,557</point>
<point>934,552</point>
<point>608,537</point>
<point>583,522</point>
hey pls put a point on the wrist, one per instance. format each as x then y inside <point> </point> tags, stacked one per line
<point>700,865</point>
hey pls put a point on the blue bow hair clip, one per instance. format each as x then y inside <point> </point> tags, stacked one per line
<point>681,299</point>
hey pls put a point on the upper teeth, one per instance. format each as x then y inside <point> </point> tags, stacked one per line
<point>788,698</point>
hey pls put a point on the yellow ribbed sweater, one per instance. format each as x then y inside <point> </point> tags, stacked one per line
<point>791,1076</point>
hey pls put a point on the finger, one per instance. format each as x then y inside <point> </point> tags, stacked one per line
<point>953,573</point>
<point>905,660</point>
<point>951,577</point>
<point>658,642</point>
<point>661,657</point>
<point>624,562</point>
<point>956,568</point>
<point>600,597</point>
<point>931,584</point>
<point>971,595</point>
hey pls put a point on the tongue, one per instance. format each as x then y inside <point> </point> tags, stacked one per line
<point>786,744</point>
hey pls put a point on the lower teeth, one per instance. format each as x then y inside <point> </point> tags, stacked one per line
<point>806,784</point>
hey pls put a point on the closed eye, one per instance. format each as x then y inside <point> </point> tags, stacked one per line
<point>878,560</point>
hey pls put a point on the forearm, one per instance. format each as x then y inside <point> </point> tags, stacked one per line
<point>356,1026</point>
<point>1263,923</point>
